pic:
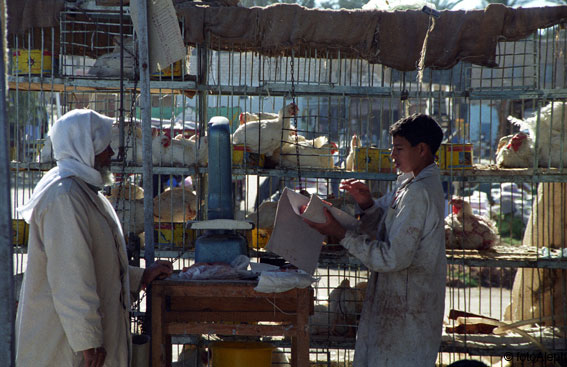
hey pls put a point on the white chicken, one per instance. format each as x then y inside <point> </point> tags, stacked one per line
<point>177,205</point>
<point>265,136</point>
<point>46,152</point>
<point>295,138</point>
<point>130,210</point>
<point>181,151</point>
<point>345,306</point>
<point>515,151</point>
<point>127,190</point>
<point>108,65</point>
<point>165,151</point>
<point>245,117</point>
<point>551,135</point>
<point>340,315</point>
<point>465,230</point>
<point>354,143</point>
<point>316,153</point>
<point>134,150</point>
<point>320,320</point>
<point>265,216</point>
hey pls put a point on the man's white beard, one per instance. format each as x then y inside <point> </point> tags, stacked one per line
<point>107,176</point>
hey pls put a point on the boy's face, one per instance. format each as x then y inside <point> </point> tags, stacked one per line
<point>405,157</point>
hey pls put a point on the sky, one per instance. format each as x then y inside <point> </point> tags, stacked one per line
<point>476,4</point>
<point>462,5</point>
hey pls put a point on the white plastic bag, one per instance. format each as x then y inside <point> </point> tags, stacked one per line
<point>206,271</point>
<point>282,281</point>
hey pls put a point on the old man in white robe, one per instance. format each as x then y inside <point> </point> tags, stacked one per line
<point>75,298</point>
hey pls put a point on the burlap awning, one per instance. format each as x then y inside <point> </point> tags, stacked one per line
<point>394,39</point>
<point>26,14</point>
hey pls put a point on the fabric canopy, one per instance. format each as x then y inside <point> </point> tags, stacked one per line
<point>394,39</point>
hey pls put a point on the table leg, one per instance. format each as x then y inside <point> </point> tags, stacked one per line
<point>158,308</point>
<point>302,347</point>
<point>168,352</point>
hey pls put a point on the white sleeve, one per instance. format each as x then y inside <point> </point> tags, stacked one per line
<point>398,250</point>
<point>135,275</point>
<point>382,203</point>
<point>369,221</point>
<point>71,271</point>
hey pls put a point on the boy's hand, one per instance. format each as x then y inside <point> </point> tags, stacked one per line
<point>331,227</point>
<point>359,192</point>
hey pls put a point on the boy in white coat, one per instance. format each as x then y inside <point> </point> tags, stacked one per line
<point>400,239</point>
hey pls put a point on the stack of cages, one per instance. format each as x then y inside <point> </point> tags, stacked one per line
<point>504,202</point>
<point>513,185</point>
<point>77,64</point>
<point>31,107</point>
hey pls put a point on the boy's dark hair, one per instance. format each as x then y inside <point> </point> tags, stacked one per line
<point>419,128</point>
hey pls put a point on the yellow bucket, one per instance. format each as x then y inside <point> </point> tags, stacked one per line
<point>31,62</point>
<point>258,237</point>
<point>241,354</point>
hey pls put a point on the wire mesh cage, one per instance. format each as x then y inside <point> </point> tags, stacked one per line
<point>87,36</point>
<point>101,44</point>
<point>504,182</point>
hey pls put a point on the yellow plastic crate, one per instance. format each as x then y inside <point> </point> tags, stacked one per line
<point>33,62</point>
<point>177,70</point>
<point>173,234</point>
<point>20,232</point>
<point>241,154</point>
<point>455,156</point>
<point>372,160</point>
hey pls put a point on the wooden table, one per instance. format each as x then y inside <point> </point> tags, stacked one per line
<point>228,308</point>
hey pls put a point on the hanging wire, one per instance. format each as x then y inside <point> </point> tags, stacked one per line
<point>292,65</point>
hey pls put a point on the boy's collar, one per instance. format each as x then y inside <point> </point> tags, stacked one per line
<point>426,172</point>
<point>430,170</point>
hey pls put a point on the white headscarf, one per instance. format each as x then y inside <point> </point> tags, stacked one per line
<point>76,138</point>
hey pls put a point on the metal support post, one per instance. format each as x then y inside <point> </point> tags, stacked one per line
<point>7,297</point>
<point>146,115</point>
